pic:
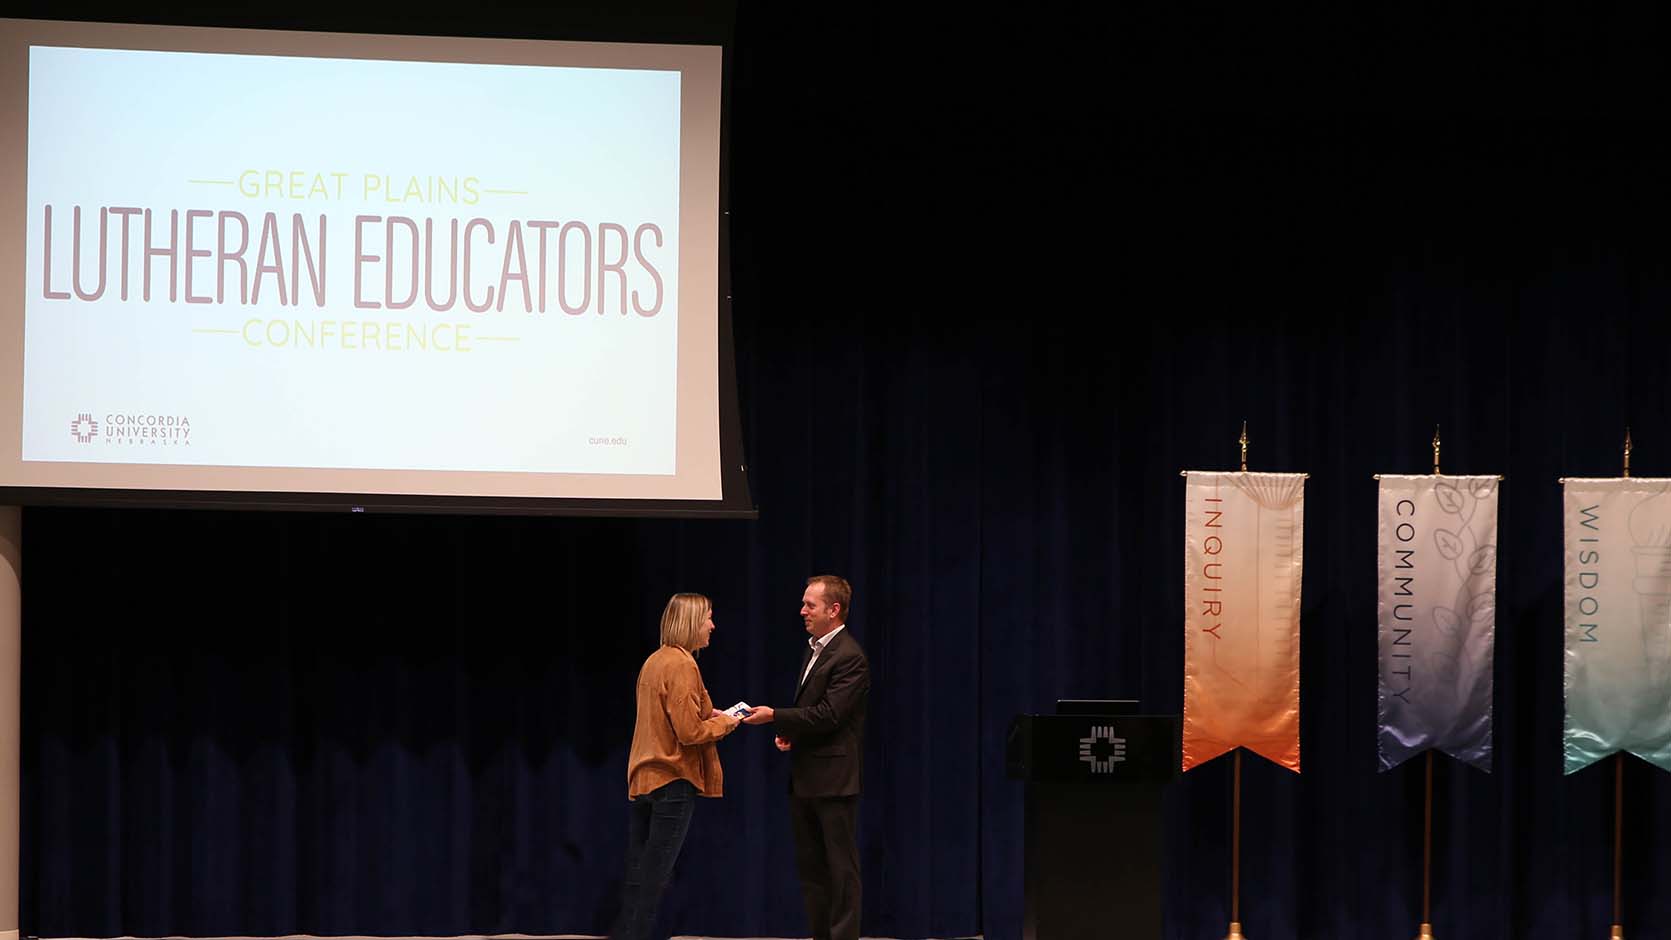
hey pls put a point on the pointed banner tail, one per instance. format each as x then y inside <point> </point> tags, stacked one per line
<point>1437,593</point>
<point>1618,620</point>
<point>1243,559</point>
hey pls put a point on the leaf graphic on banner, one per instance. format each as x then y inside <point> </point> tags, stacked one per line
<point>1446,620</point>
<point>1484,487</point>
<point>1449,499</point>
<point>1483,559</point>
<point>1449,545</point>
<point>1445,667</point>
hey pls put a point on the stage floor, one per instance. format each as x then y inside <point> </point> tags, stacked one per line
<point>500,936</point>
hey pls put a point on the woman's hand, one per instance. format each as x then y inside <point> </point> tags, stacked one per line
<point>782,743</point>
<point>715,713</point>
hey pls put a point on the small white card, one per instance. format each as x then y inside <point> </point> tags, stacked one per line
<point>739,710</point>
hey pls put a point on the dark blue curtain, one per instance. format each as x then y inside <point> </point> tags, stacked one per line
<point>978,335</point>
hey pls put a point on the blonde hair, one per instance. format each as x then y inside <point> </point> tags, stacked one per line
<point>682,620</point>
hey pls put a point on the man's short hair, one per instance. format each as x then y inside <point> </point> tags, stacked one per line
<point>836,591</point>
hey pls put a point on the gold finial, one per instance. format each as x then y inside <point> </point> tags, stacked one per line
<point>1435,450</point>
<point>1235,931</point>
<point>1426,932</point>
<point>1627,451</point>
<point>1244,445</point>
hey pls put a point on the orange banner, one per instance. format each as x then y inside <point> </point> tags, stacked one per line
<point>1243,556</point>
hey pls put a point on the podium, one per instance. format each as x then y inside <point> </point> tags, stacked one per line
<point>1095,773</point>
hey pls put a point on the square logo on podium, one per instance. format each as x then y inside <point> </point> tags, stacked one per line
<point>1102,750</point>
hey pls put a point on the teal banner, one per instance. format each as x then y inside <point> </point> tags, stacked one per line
<point>1618,620</point>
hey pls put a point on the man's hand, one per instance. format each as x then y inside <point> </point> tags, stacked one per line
<point>782,743</point>
<point>762,714</point>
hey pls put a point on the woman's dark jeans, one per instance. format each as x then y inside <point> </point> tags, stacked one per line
<point>656,827</point>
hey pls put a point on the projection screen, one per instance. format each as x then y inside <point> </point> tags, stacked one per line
<point>317,270</point>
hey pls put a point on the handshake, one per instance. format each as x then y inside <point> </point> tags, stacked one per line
<point>752,715</point>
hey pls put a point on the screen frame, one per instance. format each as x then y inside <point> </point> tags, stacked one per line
<point>734,501</point>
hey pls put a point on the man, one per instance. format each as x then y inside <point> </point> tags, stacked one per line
<point>824,733</point>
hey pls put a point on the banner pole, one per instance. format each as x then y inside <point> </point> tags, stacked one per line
<point>1618,841</point>
<point>1426,931</point>
<point>1236,833</point>
<point>1427,837</point>
<point>1236,803</point>
<point>1618,931</point>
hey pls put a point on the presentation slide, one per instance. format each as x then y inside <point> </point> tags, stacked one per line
<point>323,263</point>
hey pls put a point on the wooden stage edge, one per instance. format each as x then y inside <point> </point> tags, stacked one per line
<point>495,936</point>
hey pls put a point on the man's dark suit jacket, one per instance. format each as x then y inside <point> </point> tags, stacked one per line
<point>827,723</point>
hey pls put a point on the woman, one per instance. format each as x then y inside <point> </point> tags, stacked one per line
<point>673,759</point>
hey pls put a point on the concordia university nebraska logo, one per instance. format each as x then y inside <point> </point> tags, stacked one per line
<point>84,428</point>
<point>1102,750</point>
<point>133,429</point>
